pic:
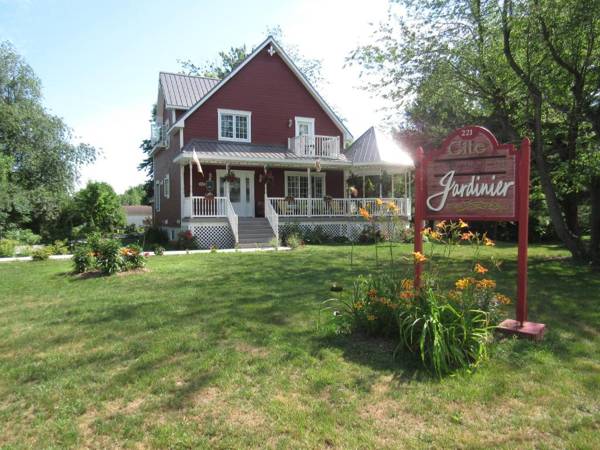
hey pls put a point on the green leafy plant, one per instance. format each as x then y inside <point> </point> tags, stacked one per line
<point>23,236</point>
<point>293,241</point>
<point>7,247</point>
<point>59,248</point>
<point>109,256</point>
<point>84,259</point>
<point>159,250</point>
<point>41,254</point>
<point>133,257</point>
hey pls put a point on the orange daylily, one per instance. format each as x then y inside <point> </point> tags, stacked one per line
<point>419,257</point>
<point>364,213</point>
<point>480,269</point>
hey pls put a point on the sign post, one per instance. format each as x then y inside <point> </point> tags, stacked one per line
<point>473,177</point>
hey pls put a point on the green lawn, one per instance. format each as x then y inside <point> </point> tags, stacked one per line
<point>223,351</point>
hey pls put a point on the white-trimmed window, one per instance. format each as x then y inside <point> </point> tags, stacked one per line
<point>235,125</point>
<point>157,196</point>
<point>296,184</point>
<point>167,186</point>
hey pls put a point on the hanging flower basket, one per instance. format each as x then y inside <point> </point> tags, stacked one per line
<point>290,199</point>
<point>230,177</point>
<point>327,199</point>
<point>265,178</point>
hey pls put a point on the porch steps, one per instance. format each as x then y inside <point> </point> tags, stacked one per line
<point>254,232</point>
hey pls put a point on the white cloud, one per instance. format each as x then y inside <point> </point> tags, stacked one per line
<point>119,133</point>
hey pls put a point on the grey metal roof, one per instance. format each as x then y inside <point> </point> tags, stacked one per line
<point>183,91</point>
<point>375,148</point>
<point>207,149</point>
<point>138,210</point>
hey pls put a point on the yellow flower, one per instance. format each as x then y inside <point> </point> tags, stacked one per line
<point>372,293</point>
<point>359,305</point>
<point>486,284</point>
<point>392,206</point>
<point>364,213</point>
<point>371,317</point>
<point>441,224</point>
<point>503,299</point>
<point>488,242</point>
<point>419,257</point>
<point>462,224</point>
<point>426,231</point>
<point>378,202</point>
<point>480,269</point>
<point>407,284</point>
<point>454,295</point>
<point>464,283</point>
<point>435,236</point>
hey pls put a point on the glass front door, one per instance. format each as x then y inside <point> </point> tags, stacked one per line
<point>241,191</point>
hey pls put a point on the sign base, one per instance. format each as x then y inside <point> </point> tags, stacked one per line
<point>530,330</point>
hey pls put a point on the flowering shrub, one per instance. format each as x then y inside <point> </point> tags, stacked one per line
<point>107,256</point>
<point>448,327</point>
<point>84,259</point>
<point>185,240</point>
<point>133,257</point>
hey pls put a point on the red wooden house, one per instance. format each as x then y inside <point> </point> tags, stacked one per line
<point>239,159</point>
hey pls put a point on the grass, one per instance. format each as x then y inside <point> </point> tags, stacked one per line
<point>223,351</point>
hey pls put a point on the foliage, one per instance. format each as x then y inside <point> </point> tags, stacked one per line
<point>84,259</point>
<point>186,241</point>
<point>135,195</point>
<point>39,165</point>
<point>97,208</point>
<point>520,68</point>
<point>293,241</point>
<point>41,254</point>
<point>159,250</point>
<point>156,235</point>
<point>59,248</point>
<point>133,257</point>
<point>7,247</point>
<point>23,236</point>
<point>108,256</point>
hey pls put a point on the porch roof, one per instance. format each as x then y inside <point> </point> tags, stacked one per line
<point>250,154</point>
<point>375,149</point>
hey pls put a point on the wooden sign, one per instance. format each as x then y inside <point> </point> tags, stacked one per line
<point>471,177</point>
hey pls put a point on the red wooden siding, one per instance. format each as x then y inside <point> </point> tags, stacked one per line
<point>274,95</point>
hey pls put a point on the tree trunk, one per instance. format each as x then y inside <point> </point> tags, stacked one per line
<point>595,220</point>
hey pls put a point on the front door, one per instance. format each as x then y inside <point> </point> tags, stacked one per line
<point>241,191</point>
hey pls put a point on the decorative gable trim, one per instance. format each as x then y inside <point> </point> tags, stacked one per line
<point>274,48</point>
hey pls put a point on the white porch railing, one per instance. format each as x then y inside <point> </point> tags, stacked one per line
<point>272,217</point>
<point>209,207</point>
<point>233,219</point>
<point>315,146</point>
<point>337,207</point>
<point>213,207</point>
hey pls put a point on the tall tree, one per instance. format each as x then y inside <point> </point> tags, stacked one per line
<point>468,61</point>
<point>39,165</point>
<point>97,208</point>
<point>135,195</point>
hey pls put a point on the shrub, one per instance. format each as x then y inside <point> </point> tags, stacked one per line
<point>158,250</point>
<point>155,235</point>
<point>41,254</point>
<point>133,257</point>
<point>186,241</point>
<point>59,248</point>
<point>109,256</point>
<point>316,235</point>
<point>83,259</point>
<point>7,247</point>
<point>274,243</point>
<point>294,241</point>
<point>23,236</point>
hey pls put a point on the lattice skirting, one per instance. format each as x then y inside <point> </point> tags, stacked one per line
<point>351,230</point>
<point>213,235</point>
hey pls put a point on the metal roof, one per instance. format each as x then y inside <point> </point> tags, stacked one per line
<point>236,151</point>
<point>376,148</point>
<point>138,210</point>
<point>184,91</point>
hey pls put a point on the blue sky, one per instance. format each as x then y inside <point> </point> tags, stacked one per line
<point>99,61</point>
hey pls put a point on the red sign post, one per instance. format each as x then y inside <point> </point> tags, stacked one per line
<point>473,177</point>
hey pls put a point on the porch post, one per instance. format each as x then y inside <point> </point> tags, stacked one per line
<point>309,202</point>
<point>226,181</point>
<point>181,192</point>
<point>191,192</point>
<point>363,191</point>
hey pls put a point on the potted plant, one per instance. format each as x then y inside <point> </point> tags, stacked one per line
<point>230,177</point>
<point>289,199</point>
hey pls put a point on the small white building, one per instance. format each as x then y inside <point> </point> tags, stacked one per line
<point>136,214</point>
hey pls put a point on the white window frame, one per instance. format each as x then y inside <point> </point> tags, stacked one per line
<point>157,196</point>
<point>234,113</point>
<point>299,119</point>
<point>289,173</point>
<point>167,186</point>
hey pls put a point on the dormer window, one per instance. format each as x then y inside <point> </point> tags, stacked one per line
<point>234,125</point>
